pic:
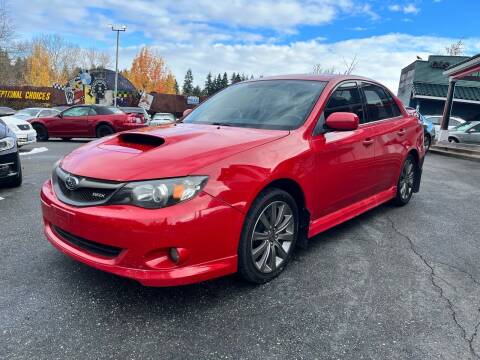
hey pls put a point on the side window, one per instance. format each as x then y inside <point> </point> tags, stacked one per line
<point>380,105</point>
<point>92,112</point>
<point>76,111</point>
<point>346,98</point>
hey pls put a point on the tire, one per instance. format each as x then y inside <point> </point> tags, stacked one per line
<point>263,257</point>
<point>406,181</point>
<point>66,138</point>
<point>427,142</point>
<point>453,140</point>
<point>104,130</point>
<point>42,132</point>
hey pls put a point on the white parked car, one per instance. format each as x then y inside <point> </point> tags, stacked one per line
<point>30,113</point>
<point>437,121</point>
<point>23,130</point>
<point>162,119</point>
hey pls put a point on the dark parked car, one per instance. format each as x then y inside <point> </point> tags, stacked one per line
<point>10,167</point>
<point>85,121</point>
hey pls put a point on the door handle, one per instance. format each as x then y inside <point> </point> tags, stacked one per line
<point>368,141</point>
<point>401,132</point>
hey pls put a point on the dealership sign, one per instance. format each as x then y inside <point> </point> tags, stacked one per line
<point>193,100</point>
<point>34,95</point>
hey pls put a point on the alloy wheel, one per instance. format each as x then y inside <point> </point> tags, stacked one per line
<point>406,179</point>
<point>272,237</point>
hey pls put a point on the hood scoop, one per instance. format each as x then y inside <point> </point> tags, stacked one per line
<point>133,143</point>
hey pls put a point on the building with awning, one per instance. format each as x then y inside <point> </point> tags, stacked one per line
<point>467,70</point>
<point>424,84</point>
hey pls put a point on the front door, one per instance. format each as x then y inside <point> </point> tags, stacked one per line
<point>343,158</point>
<point>74,121</point>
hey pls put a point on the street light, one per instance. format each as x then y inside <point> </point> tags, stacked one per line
<point>117,29</point>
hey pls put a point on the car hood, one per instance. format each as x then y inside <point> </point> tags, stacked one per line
<point>165,151</point>
<point>14,121</point>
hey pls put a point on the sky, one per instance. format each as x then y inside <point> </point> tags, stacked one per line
<point>255,37</point>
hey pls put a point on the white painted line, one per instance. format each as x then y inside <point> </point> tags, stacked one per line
<point>34,151</point>
<point>1,198</point>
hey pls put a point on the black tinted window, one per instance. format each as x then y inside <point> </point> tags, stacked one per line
<point>346,98</point>
<point>380,105</point>
<point>101,110</point>
<point>267,104</point>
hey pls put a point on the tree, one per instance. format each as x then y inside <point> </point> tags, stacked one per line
<point>218,83</point>
<point>39,70</point>
<point>149,73</point>
<point>224,80</point>
<point>6,26</point>
<point>187,88</point>
<point>177,89</point>
<point>455,49</point>
<point>197,91</point>
<point>208,90</point>
<point>233,78</point>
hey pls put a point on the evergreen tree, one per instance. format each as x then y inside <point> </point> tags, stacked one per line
<point>238,78</point>
<point>187,88</point>
<point>197,91</point>
<point>208,90</point>
<point>232,79</point>
<point>218,81</point>
<point>177,90</point>
<point>224,80</point>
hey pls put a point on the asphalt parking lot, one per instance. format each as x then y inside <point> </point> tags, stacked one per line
<point>394,283</point>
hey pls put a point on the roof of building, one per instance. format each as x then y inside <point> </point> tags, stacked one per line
<point>440,90</point>
<point>468,59</point>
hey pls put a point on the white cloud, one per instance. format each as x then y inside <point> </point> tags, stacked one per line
<point>379,57</point>
<point>406,9</point>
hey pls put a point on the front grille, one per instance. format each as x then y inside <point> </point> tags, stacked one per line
<point>82,191</point>
<point>24,127</point>
<point>90,246</point>
<point>86,195</point>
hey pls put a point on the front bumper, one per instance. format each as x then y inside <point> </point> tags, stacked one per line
<point>204,229</point>
<point>26,137</point>
<point>9,164</point>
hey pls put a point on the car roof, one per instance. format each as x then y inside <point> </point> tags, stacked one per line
<point>320,77</point>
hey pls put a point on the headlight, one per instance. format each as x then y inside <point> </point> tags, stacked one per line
<point>7,143</point>
<point>156,194</point>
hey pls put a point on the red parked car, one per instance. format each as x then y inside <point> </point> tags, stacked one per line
<point>248,175</point>
<point>86,121</point>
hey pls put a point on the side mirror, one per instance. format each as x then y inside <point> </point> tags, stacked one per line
<point>186,112</point>
<point>342,121</point>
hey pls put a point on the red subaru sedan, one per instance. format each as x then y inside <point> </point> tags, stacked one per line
<point>86,121</point>
<point>245,178</point>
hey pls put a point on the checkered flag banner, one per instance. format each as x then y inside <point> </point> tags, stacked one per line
<point>58,86</point>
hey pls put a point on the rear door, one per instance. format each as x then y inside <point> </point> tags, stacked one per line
<point>74,121</point>
<point>392,131</point>
<point>343,158</point>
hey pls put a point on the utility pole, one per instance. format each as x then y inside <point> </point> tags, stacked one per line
<point>117,29</point>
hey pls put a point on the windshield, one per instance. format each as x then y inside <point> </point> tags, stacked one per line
<point>466,126</point>
<point>268,104</point>
<point>31,112</point>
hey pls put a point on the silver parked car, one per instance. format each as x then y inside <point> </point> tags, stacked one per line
<point>467,133</point>
<point>437,121</point>
<point>30,113</point>
<point>162,119</point>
